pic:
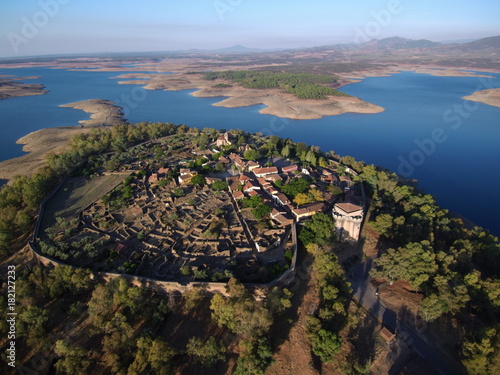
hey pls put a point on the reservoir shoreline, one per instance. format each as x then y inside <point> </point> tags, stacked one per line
<point>415,104</point>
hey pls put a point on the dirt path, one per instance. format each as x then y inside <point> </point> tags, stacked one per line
<point>293,355</point>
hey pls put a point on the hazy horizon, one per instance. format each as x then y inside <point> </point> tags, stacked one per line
<point>47,27</point>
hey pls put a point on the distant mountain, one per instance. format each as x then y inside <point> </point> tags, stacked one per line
<point>237,49</point>
<point>458,41</point>
<point>485,46</point>
<point>485,43</point>
<point>396,43</point>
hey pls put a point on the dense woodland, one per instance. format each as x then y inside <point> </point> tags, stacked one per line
<point>454,268</point>
<point>302,85</point>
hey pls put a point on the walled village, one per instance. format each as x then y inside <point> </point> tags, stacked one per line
<point>181,211</point>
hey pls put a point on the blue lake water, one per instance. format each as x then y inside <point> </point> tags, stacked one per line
<point>460,166</point>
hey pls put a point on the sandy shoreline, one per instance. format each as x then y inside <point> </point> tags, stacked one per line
<point>40,143</point>
<point>103,112</point>
<point>276,102</point>
<point>490,97</point>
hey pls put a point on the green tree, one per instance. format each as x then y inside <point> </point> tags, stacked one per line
<point>73,358</point>
<point>240,313</point>
<point>219,185</point>
<point>431,308</point>
<point>99,307</point>
<point>382,224</point>
<point>279,300</point>
<point>206,352</point>
<point>478,354</point>
<point>254,201</point>
<point>320,229</point>
<point>261,211</point>
<point>302,198</point>
<point>296,186</point>
<point>415,263</point>
<point>251,154</point>
<point>192,298</point>
<point>325,345</point>
<point>31,323</point>
<point>285,151</point>
<point>198,180</point>
<point>255,357</point>
<point>160,357</point>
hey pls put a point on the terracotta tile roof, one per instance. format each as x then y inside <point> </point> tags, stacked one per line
<point>271,190</point>
<point>263,181</point>
<point>308,210</point>
<point>290,168</point>
<point>163,170</point>
<point>264,171</point>
<point>251,165</point>
<point>184,177</point>
<point>283,219</point>
<point>283,198</point>
<point>273,177</point>
<point>387,335</point>
<point>238,195</point>
<point>275,212</point>
<point>251,185</point>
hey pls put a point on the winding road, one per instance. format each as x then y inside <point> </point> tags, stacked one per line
<point>364,294</point>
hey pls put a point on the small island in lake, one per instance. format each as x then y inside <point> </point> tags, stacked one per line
<point>11,86</point>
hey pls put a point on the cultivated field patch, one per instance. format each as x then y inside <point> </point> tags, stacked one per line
<point>75,195</point>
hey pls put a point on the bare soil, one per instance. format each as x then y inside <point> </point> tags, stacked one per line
<point>43,142</point>
<point>277,103</point>
<point>490,97</point>
<point>293,355</point>
<point>103,112</point>
<point>39,144</point>
<point>12,86</point>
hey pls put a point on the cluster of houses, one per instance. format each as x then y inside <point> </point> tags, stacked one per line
<point>257,180</point>
<point>165,247</point>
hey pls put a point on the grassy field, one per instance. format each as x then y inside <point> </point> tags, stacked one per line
<point>76,194</point>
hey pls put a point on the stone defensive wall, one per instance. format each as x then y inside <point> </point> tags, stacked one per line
<point>159,286</point>
<point>165,287</point>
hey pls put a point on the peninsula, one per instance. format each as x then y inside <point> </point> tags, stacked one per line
<point>11,86</point>
<point>39,144</point>
<point>103,112</point>
<point>490,97</point>
<point>280,100</point>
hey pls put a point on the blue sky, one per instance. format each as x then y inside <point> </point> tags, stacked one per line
<point>34,27</point>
